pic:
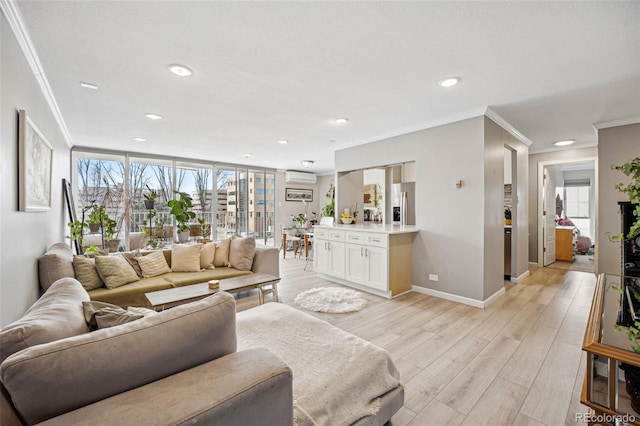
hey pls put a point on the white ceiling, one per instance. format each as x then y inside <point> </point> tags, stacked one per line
<point>265,71</point>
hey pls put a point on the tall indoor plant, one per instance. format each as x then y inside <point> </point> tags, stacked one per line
<point>181,211</point>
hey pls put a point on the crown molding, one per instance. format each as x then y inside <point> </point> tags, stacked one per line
<point>508,127</point>
<point>615,123</point>
<point>14,18</point>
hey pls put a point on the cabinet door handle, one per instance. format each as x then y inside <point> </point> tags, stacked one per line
<point>376,241</point>
<point>366,252</point>
<point>360,251</point>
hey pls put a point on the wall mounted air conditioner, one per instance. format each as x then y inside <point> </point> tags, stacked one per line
<point>300,177</point>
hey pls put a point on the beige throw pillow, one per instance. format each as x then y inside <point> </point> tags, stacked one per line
<point>185,257</point>
<point>207,254</point>
<point>132,258</point>
<point>242,252</point>
<point>153,264</point>
<point>103,315</point>
<point>221,257</point>
<point>56,263</point>
<point>115,271</point>
<point>86,273</point>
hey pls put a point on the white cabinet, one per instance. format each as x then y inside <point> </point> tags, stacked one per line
<point>378,262</point>
<point>330,252</point>
<point>366,265</point>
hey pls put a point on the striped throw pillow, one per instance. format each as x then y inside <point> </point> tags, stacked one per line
<point>153,264</point>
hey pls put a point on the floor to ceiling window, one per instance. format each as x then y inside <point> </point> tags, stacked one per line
<point>243,202</point>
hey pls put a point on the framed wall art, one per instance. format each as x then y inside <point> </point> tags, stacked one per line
<point>293,194</point>
<point>35,164</point>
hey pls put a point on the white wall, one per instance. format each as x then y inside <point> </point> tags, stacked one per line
<point>567,155</point>
<point>24,235</point>
<point>285,209</point>
<point>495,140</point>
<point>616,146</point>
<point>450,242</point>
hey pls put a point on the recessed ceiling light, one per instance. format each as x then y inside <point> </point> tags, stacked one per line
<point>139,139</point>
<point>153,116</point>
<point>88,85</point>
<point>247,155</point>
<point>340,121</point>
<point>180,70</point>
<point>283,142</point>
<point>307,163</point>
<point>449,81</point>
<point>565,142</point>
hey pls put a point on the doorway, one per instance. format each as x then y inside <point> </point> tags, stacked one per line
<point>566,215</point>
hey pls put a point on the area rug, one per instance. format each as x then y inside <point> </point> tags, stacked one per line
<point>334,300</point>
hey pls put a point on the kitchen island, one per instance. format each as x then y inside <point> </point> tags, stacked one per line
<point>373,257</point>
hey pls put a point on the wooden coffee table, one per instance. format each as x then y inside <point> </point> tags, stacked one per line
<point>164,299</point>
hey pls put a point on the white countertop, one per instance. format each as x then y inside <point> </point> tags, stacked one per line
<point>381,228</point>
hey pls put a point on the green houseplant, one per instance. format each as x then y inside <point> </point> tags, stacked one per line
<point>632,190</point>
<point>181,211</point>
<point>150,198</point>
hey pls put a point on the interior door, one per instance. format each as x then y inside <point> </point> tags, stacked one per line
<point>549,217</point>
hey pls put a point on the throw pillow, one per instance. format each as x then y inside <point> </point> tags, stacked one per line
<point>103,315</point>
<point>207,254</point>
<point>153,264</point>
<point>115,271</point>
<point>56,315</point>
<point>132,258</point>
<point>185,257</point>
<point>221,257</point>
<point>85,270</point>
<point>242,252</point>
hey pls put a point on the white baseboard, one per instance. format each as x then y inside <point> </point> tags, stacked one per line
<point>460,299</point>
<point>523,275</point>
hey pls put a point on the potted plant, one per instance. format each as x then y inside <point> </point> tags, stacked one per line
<point>507,216</point>
<point>96,213</point>
<point>181,211</point>
<point>330,209</point>
<point>76,230</point>
<point>109,232</point>
<point>150,198</point>
<point>205,230</point>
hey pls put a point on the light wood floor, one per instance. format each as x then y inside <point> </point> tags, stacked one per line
<point>517,362</point>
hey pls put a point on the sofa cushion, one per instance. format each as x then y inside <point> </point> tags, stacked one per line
<point>147,350</point>
<point>241,253</point>
<point>132,294</point>
<point>185,257</point>
<point>115,271</point>
<point>221,257</point>
<point>56,315</point>
<point>85,271</point>
<point>207,254</point>
<point>56,263</point>
<point>132,258</point>
<point>179,279</point>
<point>153,264</point>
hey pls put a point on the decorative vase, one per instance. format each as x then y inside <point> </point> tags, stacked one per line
<point>507,221</point>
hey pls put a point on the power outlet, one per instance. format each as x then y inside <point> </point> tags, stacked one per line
<point>433,277</point>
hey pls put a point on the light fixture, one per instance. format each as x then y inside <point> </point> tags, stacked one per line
<point>307,163</point>
<point>283,142</point>
<point>180,70</point>
<point>449,81</point>
<point>153,116</point>
<point>88,85</point>
<point>139,139</point>
<point>340,121</point>
<point>247,155</point>
<point>565,142</point>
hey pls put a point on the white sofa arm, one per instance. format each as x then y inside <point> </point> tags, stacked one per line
<point>266,260</point>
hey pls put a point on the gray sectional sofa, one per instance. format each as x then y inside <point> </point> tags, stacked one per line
<point>197,363</point>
